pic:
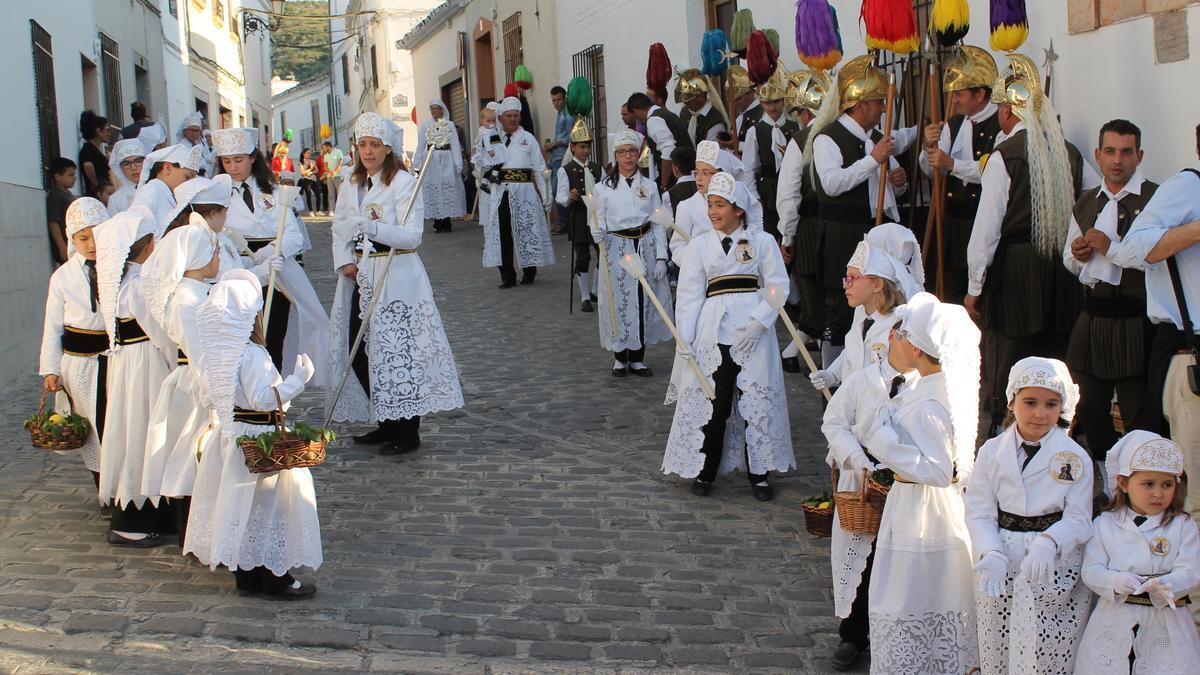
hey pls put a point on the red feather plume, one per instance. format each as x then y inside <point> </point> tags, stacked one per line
<point>761,58</point>
<point>658,70</point>
<point>891,25</point>
<point>510,89</point>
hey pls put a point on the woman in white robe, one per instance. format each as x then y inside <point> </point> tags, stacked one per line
<point>259,525</point>
<point>125,167</point>
<point>442,192</point>
<point>404,368</point>
<point>625,200</point>
<point>138,366</point>
<point>725,322</point>
<point>74,357</point>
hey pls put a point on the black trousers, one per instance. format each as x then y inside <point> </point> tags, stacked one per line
<point>724,386</point>
<point>508,271</point>
<point>360,364</point>
<point>583,255</point>
<point>1000,353</point>
<point>1094,413</point>
<point>1168,340</point>
<point>441,225</point>
<point>838,317</point>
<point>277,328</point>
<point>146,519</point>
<point>182,507</point>
<point>956,285</point>
<point>261,580</point>
<point>856,627</point>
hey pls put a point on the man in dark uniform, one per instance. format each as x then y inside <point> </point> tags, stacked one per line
<point>684,161</point>
<point>665,131</point>
<point>577,177</point>
<point>746,105</point>
<point>704,122</point>
<point>765,142</point>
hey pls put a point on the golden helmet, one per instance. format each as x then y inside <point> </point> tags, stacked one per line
<point>860,81</point>
<point>971,67</point>
<point>691,83</point>
<point>1020,87</point>
<point>580,133</point>
<point>809,88</point>
<point>774,89</point>
<point>644,158</point>
<point>740,82</point>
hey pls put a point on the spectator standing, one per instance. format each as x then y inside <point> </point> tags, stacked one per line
<point>93,163</point>
<point>62,174</point>
<point>332,174</point>
<point>308,181</point>
<point>141,118</point>
<point>280,161</point>
<point>557,148</point>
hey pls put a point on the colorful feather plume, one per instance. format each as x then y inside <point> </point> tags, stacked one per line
<point>511,89</point>
<point>818,40</point>
<point>891,25</point>
<point>773,38</point>
<point>949,21</point>
<point>761,58</point>
<point>712,52</point>
<point>579,97</point>
<point>739,32</point>
<point>522,77</point>
<point>658,69</point>
<point>1009,24</point>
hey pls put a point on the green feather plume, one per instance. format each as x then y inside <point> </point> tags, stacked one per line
<point>579,97</point>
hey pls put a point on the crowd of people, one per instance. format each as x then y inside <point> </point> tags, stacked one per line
<point>1031,524</point>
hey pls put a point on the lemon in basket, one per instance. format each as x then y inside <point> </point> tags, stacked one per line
<point>56,418</point>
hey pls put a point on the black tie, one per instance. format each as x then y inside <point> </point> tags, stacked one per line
<point>629,182</point>
<point>93,286</point>
<point>897,381</point>
<point>370,183</point>
<point>867,323</point>
<point>247,197</point>
<point>1138,520</point>
<point>726,243</point>
<point>1030,450</point>
<point>507,138</point>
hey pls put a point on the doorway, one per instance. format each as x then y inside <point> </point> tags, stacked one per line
<point>485,69</point>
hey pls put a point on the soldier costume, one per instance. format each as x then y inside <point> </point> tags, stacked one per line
<point>707,122</point>
<point>582,178</point>
<point>762,152</point>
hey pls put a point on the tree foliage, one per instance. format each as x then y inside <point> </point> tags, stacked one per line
<point>301,46</point>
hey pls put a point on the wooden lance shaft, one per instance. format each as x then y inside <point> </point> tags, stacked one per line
<point>286,193</point>
<point>662,312</point>
<point>808,359</point>
<point>887,162</point>
<point>608,292</point>
<point>366,319</point>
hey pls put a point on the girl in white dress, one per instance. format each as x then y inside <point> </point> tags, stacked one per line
<point>125,165</point>
<point>1029,511</point>
<point>261,526</point>
<point>625,200</point>
<point>725,322</point>
<point>405,362</point>
<point>486,154</point>
<point>138,366</point>
<point>921,604</point>
<point>1143,560</point>
<point>442,191</point>
<point>74,350</point>
<point>691,216</point>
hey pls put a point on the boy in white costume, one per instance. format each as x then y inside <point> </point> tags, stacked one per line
<point>1029,509</point>
<point>442,191</point>
<point>125,167</point>
<point>163,171</point>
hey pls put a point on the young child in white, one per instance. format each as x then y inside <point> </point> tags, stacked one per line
<point>138,366</point>
<point>922,614</point>
<point>1143,560</point>
<point>1029,508</point>
<point>259,525</point>
<point>691,216</point>
<point>74,343</point>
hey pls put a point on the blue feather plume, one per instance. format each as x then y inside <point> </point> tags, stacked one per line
<point>712,52</point>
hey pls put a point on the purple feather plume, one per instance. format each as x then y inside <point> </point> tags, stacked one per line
<point>817,39</point>
<point>1008,13</point>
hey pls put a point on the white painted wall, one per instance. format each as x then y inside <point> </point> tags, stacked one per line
<point>296,105</point>
<point>179,100</point>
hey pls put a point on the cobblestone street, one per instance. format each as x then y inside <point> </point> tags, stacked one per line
<point>533,531</point>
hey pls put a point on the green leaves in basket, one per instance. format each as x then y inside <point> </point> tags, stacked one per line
<point>312,433</point>
<point>884,477</point>
<point>818,501</point>
<point>56,424</point>
<point>266,440</point>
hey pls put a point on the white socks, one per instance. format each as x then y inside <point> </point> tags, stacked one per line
<point>637,365</point>
<point>132,536</point>
<point>792,351</point>
<point>617,365</point>
<point>585,285</point>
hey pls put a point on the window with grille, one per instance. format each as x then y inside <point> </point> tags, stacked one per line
<point>345,73</point>
<point>44,98</point>
<point>110,70</point>
<point>589,63</point>
<point>173,8</point>
<point>514,50</point>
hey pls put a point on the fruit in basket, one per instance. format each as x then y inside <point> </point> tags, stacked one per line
<point>56,418</point>
<point>825,505</point>
<point>884,477</point>
<point>822,501</point>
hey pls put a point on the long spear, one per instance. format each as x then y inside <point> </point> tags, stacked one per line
<point>285,194</point>
<point>438,134</point>
<point>887,162</point>
<point>594,212</point>
<point>777,300</point>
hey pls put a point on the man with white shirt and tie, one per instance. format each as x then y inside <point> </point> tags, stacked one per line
<point>665,132</point>
<point>704,122</point>
<point>1168,231</point>
<point>959,149</point>
<point>1109,346</point>
<point>765,142</point>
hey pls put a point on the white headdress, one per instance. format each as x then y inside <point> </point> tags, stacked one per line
<point>395,138</point>
<point>946,333</point>
<point>901,244</point>
<point>508,104</point>
<point>193,120</point>
<point>83,213</point>
<point>1052,374</point>
<point>235,141</point>
<point>172,154</point>
<point>372,125</point>
<point>725,186</point>
<point>152,136</point>
<point>112,251</point>
<point>194,156</point>
<point>182,249</point>
<point>492,105</point>
<point>224,322</point>
<point>438,103</point>
<point>628,137</point>
<point>708,152</point>
<point>200,190</point>
<point>1141,451</point>
<point>126,148</point>
<point>877,262</point>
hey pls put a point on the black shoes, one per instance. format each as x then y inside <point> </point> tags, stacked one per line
<point>587,306</point>
<point>379,435</point>
<point>700,488</point>
<point>106,511</point>
<point>525,281</point>
<point>620,372</point>
<point>845,656</point>
<point>149,541</point>
<point>507,284</point>
<point>763,492</point>
<point>400,447</point>
<point>302,592</point>
<point>791,364</point>
<point>641,372</point>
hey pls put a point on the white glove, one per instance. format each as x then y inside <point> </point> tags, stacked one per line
<point>264,253</point>
<point>263,269</point>
<point>1127,583</point>
<point>1039,560</point>
<point>304,367</point>
<point>683,351</point>
<point>822,379</point>
<point>597,235</point>
<point>367,228</point>
<point>860,462</point>
<point>275,264</point>
<point>1162,595</point>
<point>747,338</point>
<point>660,270</point>
<point>991,569</point>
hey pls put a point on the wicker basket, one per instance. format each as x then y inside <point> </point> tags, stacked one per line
<point>66,440</point>
<point>856,513</point>
<point>877,492</point>
<point>819,522</point>
<point>287,453</point>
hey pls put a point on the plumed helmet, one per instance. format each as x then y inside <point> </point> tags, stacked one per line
<point>859,80</point>
<point>972,67</point>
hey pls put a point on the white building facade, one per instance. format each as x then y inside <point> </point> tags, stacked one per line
<point>303,108</point>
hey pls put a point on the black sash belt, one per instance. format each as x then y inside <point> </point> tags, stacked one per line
<point>1014,523</point>
<point>1114,308</point>
<point>809,209</point>
<point>442,147</point>
<point>633,232</point>
<point>516,175</point>
<point>1144,600</point>
<point>732,283</point>
<point>255,244</point>
<point>259,417</point>
<point>383,249</point>
<point>84,341</point>
<point>130,332</point>
<point>181,359</point>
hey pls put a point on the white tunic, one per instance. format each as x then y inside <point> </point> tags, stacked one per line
<point>1165,640</point>
<point>837,180</point>
<point>921,597</point>
<point>704,323</point>
<point>412,368</point>
<point>627,207</point>
<point>1031,629</point>
<point>962,148</point>
<point>692,217</point>
<point>862,350</point>
<point>135,376</point>
<point>245,520</point>
<point>122,199</point>
<point>68,303</point>
<point>156,196</point>
<point>442,191</point>
<point>531,235</point>
<point>788,197</point>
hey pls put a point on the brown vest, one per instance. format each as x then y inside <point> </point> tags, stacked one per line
<point>853,205</point>
<point>1128,298</point>
<point>678,129</point>
<point>962,199</point>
